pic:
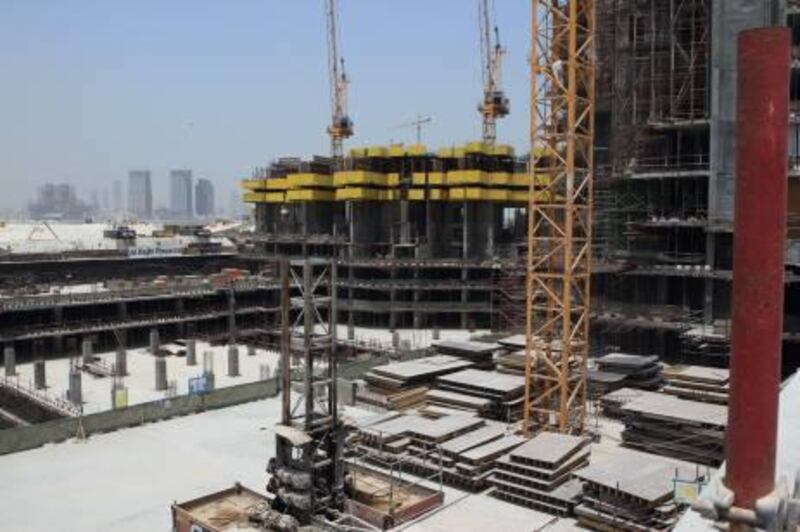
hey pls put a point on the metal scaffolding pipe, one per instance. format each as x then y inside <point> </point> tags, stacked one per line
<point>759,232</point>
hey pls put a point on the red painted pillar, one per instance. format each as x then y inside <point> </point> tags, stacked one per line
<point>758,243</point>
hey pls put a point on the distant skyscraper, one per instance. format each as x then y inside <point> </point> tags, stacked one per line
<point>58,201</point>
<point>204,196</point>
<point>119,203</point>
<point>140,194</point>
<point>180,186</point>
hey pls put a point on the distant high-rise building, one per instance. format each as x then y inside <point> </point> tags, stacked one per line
<point>119,203</point>
<point>105,203</point>
<point>58,201</point>
<point>140,193</point>
<point>204,196</point>
<point>180,183</point>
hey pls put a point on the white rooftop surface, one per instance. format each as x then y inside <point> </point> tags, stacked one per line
<point>141,374</point>
<point>55,237</point>
<point>125,480</point>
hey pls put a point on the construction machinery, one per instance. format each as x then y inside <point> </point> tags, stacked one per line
<point>560,216</point>
<point>495,104</point>
<point>341,127</point>
<point>416,124</point>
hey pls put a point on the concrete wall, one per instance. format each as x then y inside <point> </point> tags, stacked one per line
<point>24,438</point>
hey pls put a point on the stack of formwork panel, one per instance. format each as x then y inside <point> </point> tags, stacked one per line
<point>504,392</point>
<point>463,448</point>
<point>404,385</point>
<point>629,490</point>
<point>481,354</point>
<point>699,383</point>
<point>539,474</point>
<point>618,370</point>
<point>612,402</point>
<point>663,424</point>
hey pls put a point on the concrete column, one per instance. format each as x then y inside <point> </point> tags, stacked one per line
<point>122,310</point>
<point>191,352</point>
<point>75,391</point>
<point>58,345</point>
<point>39,376</point>
<point>161,373</point>
<point>251,350</point>
<point>154,341</point>
<point>87,350</point>
<point>233,361</point>
<point>121,361</point>
<point>10,361</point>
<point>464,297</point>
<point>395,339</point>
<point>180,308</point>
<point>436,333</point>
<point>208,362</point>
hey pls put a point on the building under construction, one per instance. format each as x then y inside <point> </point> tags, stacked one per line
<point>665,173</point>
<point>423,240</point>
<point>438,239</point>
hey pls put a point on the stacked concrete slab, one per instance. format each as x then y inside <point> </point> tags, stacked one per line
<point>629,490</point>
<point>619,370</point>
<point>480,353</point>
<point>539,474</point>
<point>663,424</point>
<point>699,383</point>
<point>504,393</point>
<point>404,384</point>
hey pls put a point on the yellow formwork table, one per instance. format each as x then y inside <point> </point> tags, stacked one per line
<point>479,194</point>
<point>366,194</point>
<point>433,178</point>
<point>310,194</point>
<point>434,194</point>
<point>362,177</point>
<point>308,180</point>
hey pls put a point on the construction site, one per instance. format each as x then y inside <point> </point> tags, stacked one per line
<point>597,331</point>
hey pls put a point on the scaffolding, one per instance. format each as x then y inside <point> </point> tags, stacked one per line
<point>559,219</point>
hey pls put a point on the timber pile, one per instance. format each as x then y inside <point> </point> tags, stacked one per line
<point>464,448</point>
<point>404,385</point>
<point>481,354</point>
<point>539,474</point>
<point>620,370</point>
<point>629,490</point>
<point>698,383</point>
<point>669,426</point>
<point>502,393</point>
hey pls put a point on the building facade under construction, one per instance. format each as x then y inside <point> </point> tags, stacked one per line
<point>665,173</point>
<point>423,239</point>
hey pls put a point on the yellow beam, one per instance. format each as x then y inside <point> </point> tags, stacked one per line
<point>310,194</point>
<point>309,180</point>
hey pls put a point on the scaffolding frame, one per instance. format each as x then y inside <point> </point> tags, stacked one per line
<point>560,216</point>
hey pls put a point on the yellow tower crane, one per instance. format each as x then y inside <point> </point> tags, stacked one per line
<point>495,104</point>
<point>341,127</point>
<point>559,214</point>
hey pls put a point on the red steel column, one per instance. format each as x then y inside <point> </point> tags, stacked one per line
<point>758,242</point>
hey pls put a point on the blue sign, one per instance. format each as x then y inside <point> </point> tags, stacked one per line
<point>199,385</point>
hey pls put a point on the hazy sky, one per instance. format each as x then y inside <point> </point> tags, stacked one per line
<point>92,88</point>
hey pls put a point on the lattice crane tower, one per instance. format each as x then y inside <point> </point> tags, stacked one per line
<point>559,214</point>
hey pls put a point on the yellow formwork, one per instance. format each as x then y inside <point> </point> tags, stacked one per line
<point>417,150</point>
<point>523,180</point>
<point>308,180</point>
<point>310,194</point>
<point>358,153</point>
<point>264,197</point>
<point>502,150</point>
<point>434,194</point>
<point>253,184</point>
<point>479,194</point>
<point>478,177</point>
<point>366,194</point>
<point>377,151</point>
<point>397,150</point>
<point>477,147</point>
<point>434,178</point>
<point>253,197</point>
<point>362,177</point>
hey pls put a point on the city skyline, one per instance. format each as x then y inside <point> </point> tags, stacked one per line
<point>200,87</point>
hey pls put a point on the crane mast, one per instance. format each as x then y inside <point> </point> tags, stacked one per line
<point>341,127</point>
<point>495,104</point>
<point>559,214</point>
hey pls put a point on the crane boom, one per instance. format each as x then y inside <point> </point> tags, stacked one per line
<point>495,104</point>
<point>341,127</point>
<point>418,123</point>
